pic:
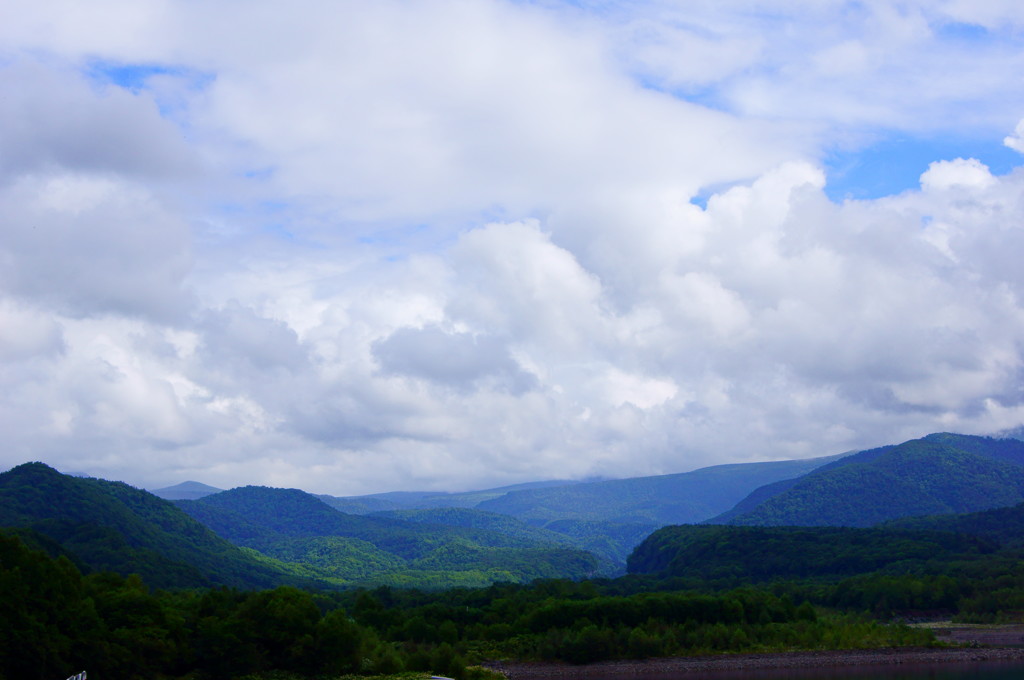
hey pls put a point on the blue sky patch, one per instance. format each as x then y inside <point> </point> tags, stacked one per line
<point>963,32</point>
<point>895,164</point>
<point>134,76</point>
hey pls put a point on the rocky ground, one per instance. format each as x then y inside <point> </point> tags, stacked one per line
<point>977,644</point>
<point>986,636</point>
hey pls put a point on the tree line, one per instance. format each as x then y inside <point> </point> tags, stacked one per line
<point>55,621</point>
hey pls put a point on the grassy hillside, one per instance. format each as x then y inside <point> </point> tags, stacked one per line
<point>112,526</point>
<point>665,499</point>
<point>939,474</point>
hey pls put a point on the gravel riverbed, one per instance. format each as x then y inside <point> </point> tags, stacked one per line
<point>726,663</point>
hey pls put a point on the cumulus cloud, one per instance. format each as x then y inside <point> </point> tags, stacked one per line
<point>52,119</point>
<point>86,244</point>
<point>1016,140</point>
<point>456,359</point>
<point>26,333</point>
<point>447,245</point>
<point>968,174</point>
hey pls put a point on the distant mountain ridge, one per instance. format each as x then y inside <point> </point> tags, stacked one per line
<point>651,501</point>
<point>941,473</point>
<point>680,498</point>
<point>607,517</point>
<point>185,491</point>
<point>423,500</point>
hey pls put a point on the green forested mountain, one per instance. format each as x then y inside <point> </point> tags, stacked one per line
<point>757,554</point>
<point>1004,526</point>
<point>607,518</point>
<point>615,540</point>
<point>302,533</point>
<point>257,516</point>
<point>607,540</point>
<point>995,448</point>
<point>755,499</point>
<point>938,474</point>
<point>655,501</point>
<point>469,518</point>
<point>112,526</point>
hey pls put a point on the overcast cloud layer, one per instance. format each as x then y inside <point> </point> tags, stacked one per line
<point>366,246</point>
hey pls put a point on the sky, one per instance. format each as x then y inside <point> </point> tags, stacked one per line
<point>355,247</point>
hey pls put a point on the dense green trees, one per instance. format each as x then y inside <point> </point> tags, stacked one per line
<point>54,622</point>
<point>43,613</point>
<point>309,538</point>
<point>110,526</point>
<point>736,555</point>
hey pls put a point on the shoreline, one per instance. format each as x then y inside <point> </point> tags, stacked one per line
<point>730,663</point>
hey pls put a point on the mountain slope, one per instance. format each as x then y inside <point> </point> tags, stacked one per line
<point>938,474</point>
<point>255,516</point>
<point>112,526</point>
<point>665,499</point>
<point>1004,526</point>
<point>468,518</point>
<point>612,542</point>
<point>315,539</point>
<point>746,554</point>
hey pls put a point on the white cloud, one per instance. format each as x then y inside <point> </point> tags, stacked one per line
<point>967,174</point>
<point>355,247</point>
<point>89,244</point>
<point>51,118</point>
<point>1016,140</point>
<point>457,359</point>
<point>992,14</point>
<point>26,333</point>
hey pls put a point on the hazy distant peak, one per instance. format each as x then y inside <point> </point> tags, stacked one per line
<point>186,491</point>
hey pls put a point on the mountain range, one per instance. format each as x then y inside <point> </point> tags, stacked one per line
<point>607,518</point>
<point>257,536</point>
<point>302,532</point>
